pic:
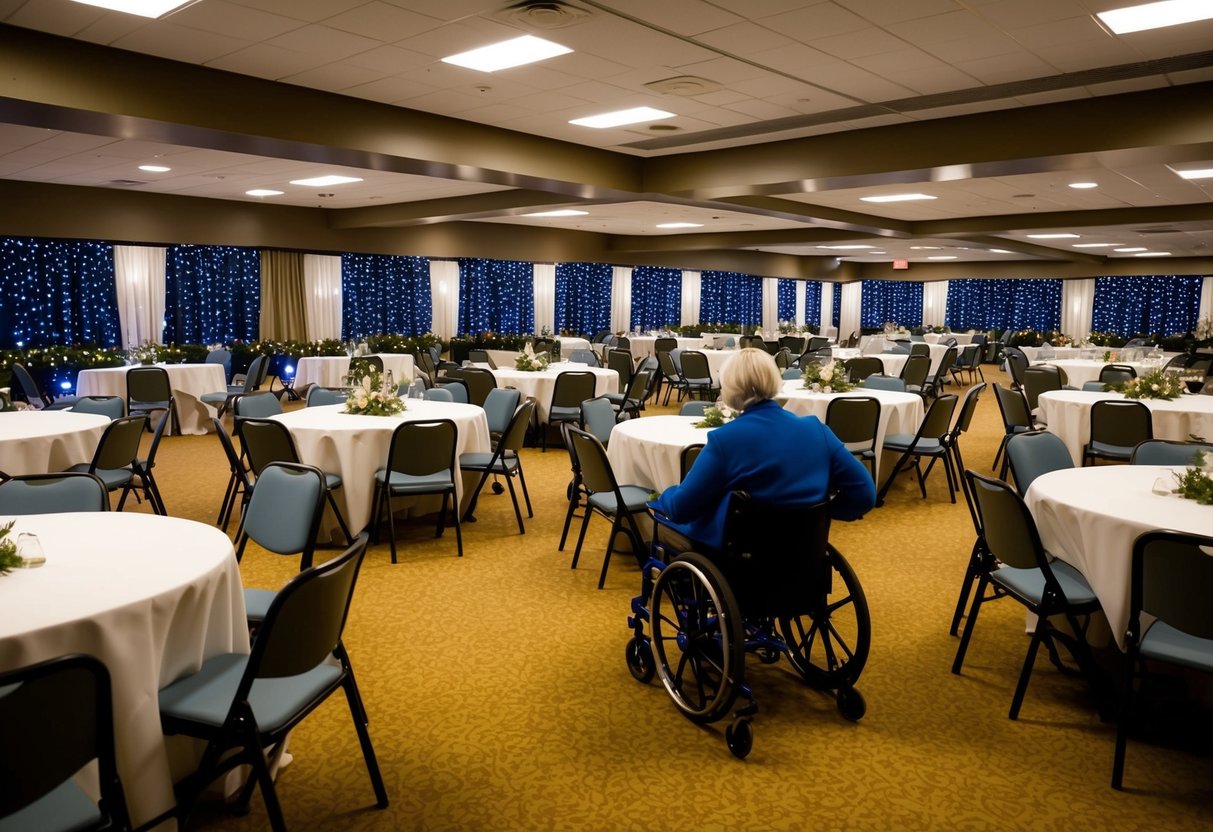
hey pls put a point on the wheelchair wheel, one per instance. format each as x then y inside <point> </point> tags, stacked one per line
<point>640,659</point>
<point>828,644</point>
<point>740,737</point>
<point>698,638</point>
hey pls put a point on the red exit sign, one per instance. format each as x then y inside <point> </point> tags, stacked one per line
<point>901,264</point>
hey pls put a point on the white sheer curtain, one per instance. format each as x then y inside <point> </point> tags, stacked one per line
<point>692,288</point>
<point>827,311</point>
<point>770,303</point>
<point>139,280</point>
<point>934,303</point>
<point>545,296</point>
<point>621,298</point>
<point>1077,307</point>
<point>1206,299</point>
<point>801,289</point>
<point>322,295</point>
<point>849,309</point>
<point>444,298</point>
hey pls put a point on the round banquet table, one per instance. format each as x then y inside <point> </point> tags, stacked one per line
<point>331,370</point>
<point>1068,414</point>
<point>569,343</point>
<point>150,596</point>
<point>878,343</point>
<point>42,441</point>
<point>647,452</point>
<point>189,383</point>
<point>1081,370</point>
<point>642,345</point>
<point>356,446</point>
<point>1089,517</point>
<point>539,385</point>
<point>962,338</point>
<point>716,361</point>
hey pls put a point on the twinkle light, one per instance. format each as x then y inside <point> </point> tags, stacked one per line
<point>583,297</point>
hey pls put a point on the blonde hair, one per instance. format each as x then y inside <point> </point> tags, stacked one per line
<point>749,377</point>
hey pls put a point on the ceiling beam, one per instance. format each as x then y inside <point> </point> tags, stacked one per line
<point>429,211</point>
<point>732,240</point>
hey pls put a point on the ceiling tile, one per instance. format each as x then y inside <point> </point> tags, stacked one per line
<point>389,90</point>
<point>459,37</point>
<point>389,59</point>
<point>943,27</point>
<point>334,77</point>
<point>1000,69</point>
<point>1019,13</point>
<point>382,21</point>
<point>1078,56</point>
<point>179,43</point>
<point>686,17</point>
<point>309,10</point>
<point>968,49</point>
<point>1068,30</point>
<point>744,39</point>
<point>797,60</point>
<point>234,20</point>
<point>904,59</point>
<point>264,61</point>
<point>820,20</point>
<point>847,79</point>
<point>928,81</point>
<point>447,9</point>
<point>65,19</point>
<point>324,42</point>
<point>883,12</point>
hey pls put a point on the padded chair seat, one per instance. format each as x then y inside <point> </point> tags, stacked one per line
<point>257,603</point>
<point>332,481</point>
<point>1105,449</point>
<point>405,483</point>
<point>903,441</point>
<point>635,498</point>
<point>112,477</point>
<point>206,697</point>
<point>220,396</point>
<point>1162,641</point>
<point>480,459</point>
<point>64,807</point>
<point>557,412</point>
<point>1030,583</point>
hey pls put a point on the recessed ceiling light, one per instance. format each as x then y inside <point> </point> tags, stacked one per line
<point>999,251</point>
<point>1065,236</point>
<point>680,225</point>
<point>262,192</point>
<point>1127,250</point>
<point>508,53</point>
<point>896,198</point>
<point>847,247</point>
<point>560,212</point>
<point>143,8</point>
<point>1083,186</point>
<point>1156,15</point>
<point>325,181</point>
<point>621,117</point>
<point>155,168</point>
<point>1153,254</point>
<point>925,248</point>
<point>1202,173</point>
<point>942,257</point>
<point>1096,245</point>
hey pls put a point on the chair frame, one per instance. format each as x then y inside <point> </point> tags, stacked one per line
<point>134,405</point>
<point>580,440</point>
<point>850,432</point>
<point>102,492</point>
<point>1127,406</point>
<point>383,491</point>
<point>506,461</point>
<point>943,452</point>
<point>562,398</point>
<point>1010,397</point>
<point>238,484</point>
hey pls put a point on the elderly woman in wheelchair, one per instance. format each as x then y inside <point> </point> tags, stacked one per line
<point>741,561</point>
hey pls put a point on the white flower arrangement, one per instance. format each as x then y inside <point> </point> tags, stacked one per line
<point>371,397</point>
<point>715,416</point>
<point>1156,384</point>
<point>1204,329</point>
<point>830,377</point>
<point>530,362</point>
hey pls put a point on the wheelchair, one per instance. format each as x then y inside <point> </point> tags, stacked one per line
<point>778,588</point>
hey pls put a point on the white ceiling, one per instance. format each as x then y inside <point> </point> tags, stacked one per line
<point>774,69</point>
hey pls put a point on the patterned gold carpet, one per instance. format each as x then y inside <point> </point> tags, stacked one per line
<point>499,697</point>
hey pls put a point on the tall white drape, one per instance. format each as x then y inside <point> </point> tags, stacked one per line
<point>827,311</point>
<point>692,291</point>
<point>322,296</point>
<point>139,281</point>
<point>444,297</point>
<point>850,308</point>
<point>621,298</point>
<point>770,303</point>
<point>934,303</point>
<point>1206,299</point>
<point>545,296</point>
<point>1077,307</point>
<point>801,289</point>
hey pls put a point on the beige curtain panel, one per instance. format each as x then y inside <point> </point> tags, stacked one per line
<point>283,296</point>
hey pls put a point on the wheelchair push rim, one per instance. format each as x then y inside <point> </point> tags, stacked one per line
<point>828,642</point>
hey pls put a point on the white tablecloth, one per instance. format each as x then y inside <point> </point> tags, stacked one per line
<point>1068,414</point>
<point>1089,517</point>
<point>355,447</point>
<point>962,338</point>
<point>150,596</point>
<point>539,385</point>
<point>878,344</point>
<point>642,345</point>
<point>1081,370</point>
<point>647,451</point>
<point>568,344</point>
<point>331,370</point>
<point>188,381</point>
<point>42,441</point>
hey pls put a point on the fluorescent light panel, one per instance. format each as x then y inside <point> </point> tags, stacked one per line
<point>1203,173</point>
<point>680,225</point>
<point>896,198</point>
<point>846,248</point>
<point>621,117</point>
<point>155,168</point>
<point>1066,236</point>
<point>1153,254</point>
<point>509,53</point>
<point>143,8</point>
<point>1156,15</point>
<point>1096,245</point>
<point>1130,249</point>
<point>263,192</point>
<point>942,257</point>
<point>1083,186</point>
<point>325,181</point>
<point>560,212</point>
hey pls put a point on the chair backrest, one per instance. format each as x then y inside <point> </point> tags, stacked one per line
<point>598,417</point>
<point>791,373</point>
<point>687,457</point>
<point>1013,407</point>
<point>572,387</point>
<point>112,406</point>
<point>57,716</point>
<point>1092,386</point>
<point>938,421</point>
<point>945,365</point>
<point>621,362</point>
<point>1117,373</point>
<point>482,357</point>
<point>119,445</point>
<point>254,376</point>
<point>596,473</point>
<point>968,406</point>
<point>256,406</point>
<point>148,384</point>
<point>854,420</point>
<point>817,342</point>
<point>915,371</point>
<point>1120,422</point>
<point>1017,362</point>
<point>266,441</point>
<point>284,511</point>
<point>1007,526</point>
<point>457,388</point>
<point>584,357</point>
<point>638,389</point>
<point>52,494</point>
<point>879,381</point>
<point>694,407</point>
<point>794,344</point>
<point>695,366</point>
<point>361,365</point>
<point>864,366</point>
<point>304,623</point>
<point>783,358</point>
<point>1173,581</point>
<point>1037,380</point>
<point>223,357</point>
<point>29,387</point>
<point>321,396</point>
<point>1036,452</point>
<point>665,360</point>
<point>1162,452</point>
<point>439,394</point>
<point>480,383</point>
<point>423,447</point>
<point>499,406</point>
<point>514,436</point>
<point>920,349</point>
<point>664,344</point>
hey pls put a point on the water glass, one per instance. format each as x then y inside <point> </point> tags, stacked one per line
<point>29,547</point>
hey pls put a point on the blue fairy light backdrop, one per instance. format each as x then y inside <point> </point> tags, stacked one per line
<point>656,297</point>
<point>731,298</point>
<point>57,293</point>
<point>583,297</point>
<point>899,301</point>
<point>212,294</point>
<point>836,307</point>
<point>786,299</point>
<point>1162,304</point>
<point>1004,304</point>
<point>383,293</point>
<point>496,296</point>
<point>812,302</point>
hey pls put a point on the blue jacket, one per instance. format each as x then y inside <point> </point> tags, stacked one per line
<point>779,458</point>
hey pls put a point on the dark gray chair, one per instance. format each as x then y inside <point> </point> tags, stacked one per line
<point>112,406</point>
<point>571,389</point>
<point>1117,426</point>
<point>855,421</point>
<point>117,451</point>
<point>148,391</point>
<point>222,399</point>
<point>52,494</point>
<point>504,460</point>
<point>421,460</point>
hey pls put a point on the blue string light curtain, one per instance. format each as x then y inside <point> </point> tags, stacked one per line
<point>656,297</point>
<point>384,294</point>
<point>730,298</point>
<point>812,302</point>
<point>786,299</point>
<point>899,301</point>
<point>1021,303</point>
<point>1148,305</point>
<point>57,293</point>
<point>212,294</point>
<point>836,310</point>
<point>583,297</point>
<point>496,296</point>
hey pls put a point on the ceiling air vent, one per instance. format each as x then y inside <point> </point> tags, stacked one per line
<point>686,85</point>
<point>544,14</point>
<point>125,183</point>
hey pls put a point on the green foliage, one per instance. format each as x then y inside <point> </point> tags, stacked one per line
<point>1106,339</point>
<point>1025,338</point>
<point>9,559</point>
<point>1195,484</point>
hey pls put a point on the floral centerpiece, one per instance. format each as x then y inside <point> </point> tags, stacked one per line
<point>145,353</point>
<point>529,361</point>
<point>9,559</point>
<point>371,395</point>
<point>830,377</point>
<point>1195,483</point>
<point>1156,384</point>
<point>715,416</point>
